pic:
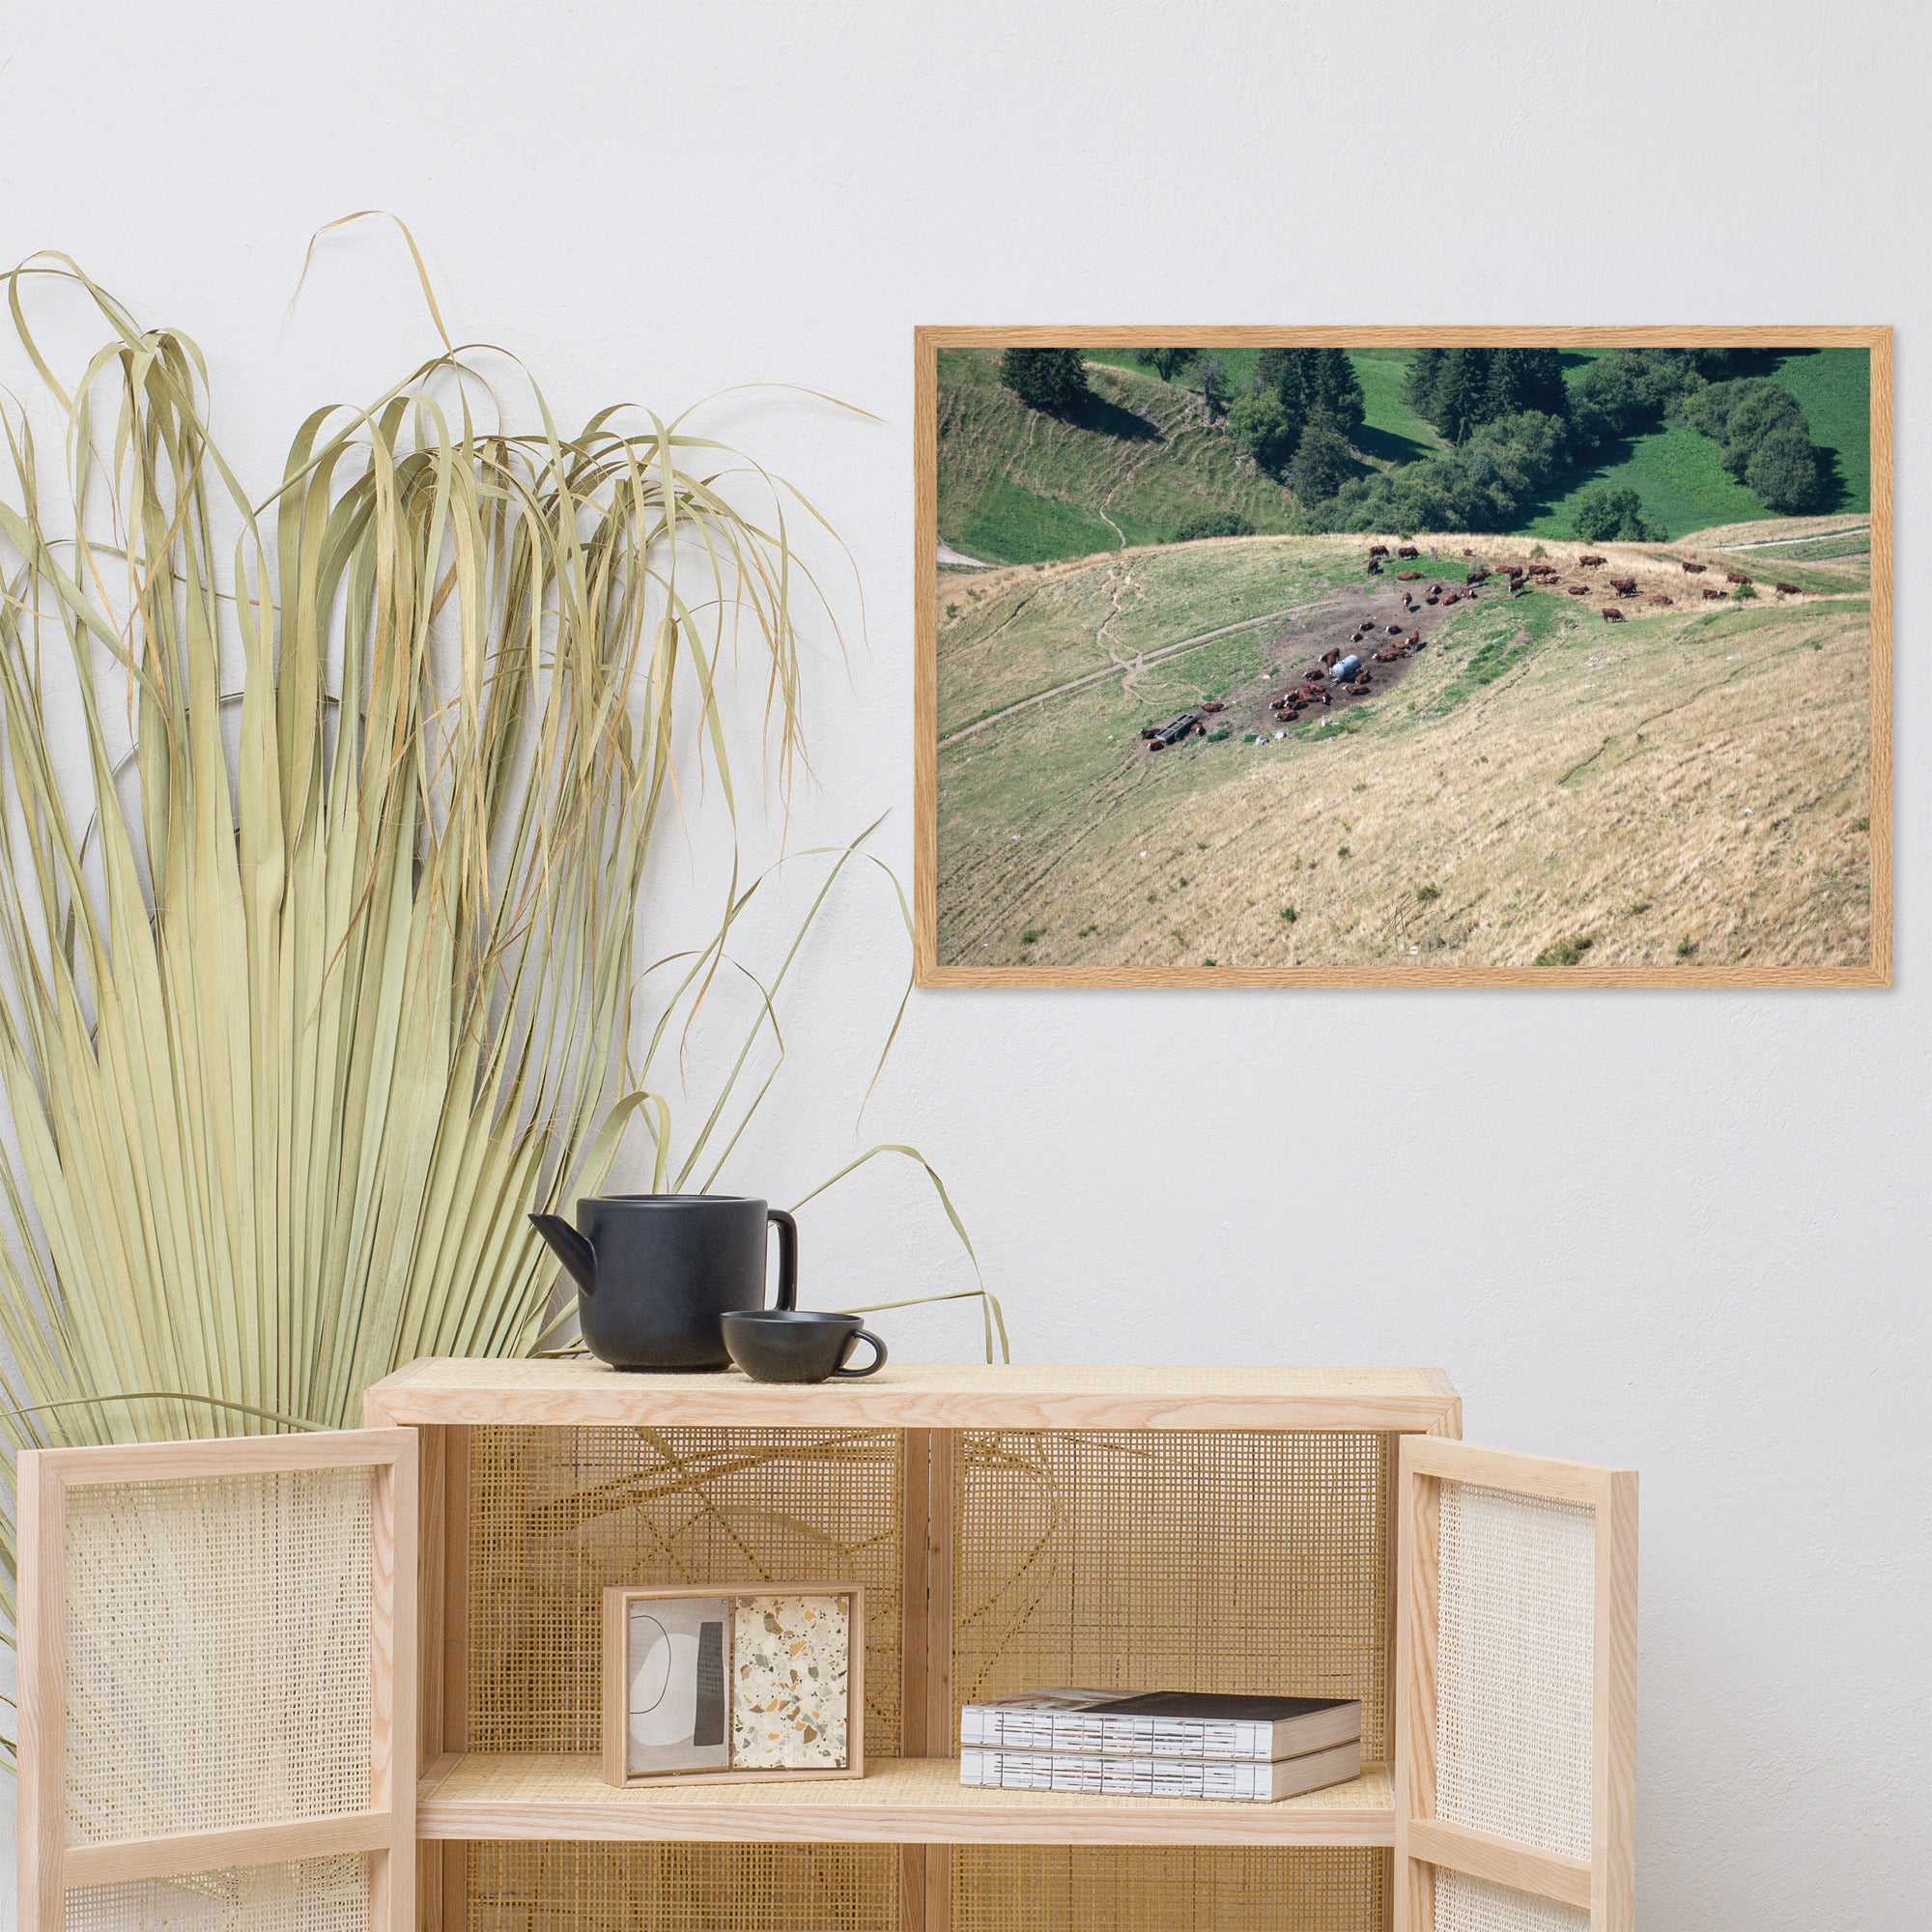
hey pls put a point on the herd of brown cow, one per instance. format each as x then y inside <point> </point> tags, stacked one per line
<point>1518,578</point>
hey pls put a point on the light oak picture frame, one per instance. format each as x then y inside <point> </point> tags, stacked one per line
<point>931,970</point>
<point>614,1713</point>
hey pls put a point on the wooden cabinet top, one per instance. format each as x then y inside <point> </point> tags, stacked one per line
<point>917,1395</point>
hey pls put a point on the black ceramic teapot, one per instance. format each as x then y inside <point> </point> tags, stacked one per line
<point>655,1272</point>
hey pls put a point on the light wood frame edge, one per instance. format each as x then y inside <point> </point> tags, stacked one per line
<point>1607,1882</point>
<point>48,1868</point>
<point>927,341</point>
<point>614,1756</point>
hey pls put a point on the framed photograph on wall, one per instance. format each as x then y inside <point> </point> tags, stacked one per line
<point>1404,657</point>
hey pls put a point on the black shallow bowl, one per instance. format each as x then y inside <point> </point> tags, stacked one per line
<point>792,1344</point>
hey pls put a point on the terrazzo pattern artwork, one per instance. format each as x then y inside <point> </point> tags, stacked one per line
<point>790,1682</point>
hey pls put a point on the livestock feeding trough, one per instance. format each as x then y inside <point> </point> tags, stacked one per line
<point>1159,737</point>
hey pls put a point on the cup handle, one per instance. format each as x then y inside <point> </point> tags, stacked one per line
<point>872,1367</point>
<point>787,1257</point>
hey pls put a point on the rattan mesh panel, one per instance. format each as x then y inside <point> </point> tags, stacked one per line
<point>1466,1904</point>
<point>1110,1889</point>
<point>1516,1644</point>
<point>217,1652</point>
<point>314,1896</point>
<point>536,1887</point>
<point>557,1514</point>
<point>1174,1560</point>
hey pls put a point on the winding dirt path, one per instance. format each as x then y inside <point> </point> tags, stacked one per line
<point>1140,661</point>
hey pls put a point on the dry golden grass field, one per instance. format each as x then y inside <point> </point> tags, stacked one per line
<point>1686,788</point>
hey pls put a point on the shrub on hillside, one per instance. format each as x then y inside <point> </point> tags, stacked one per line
<point>1484,485</point>
<point>1167,361</point>
<point>1265,429</point>
<point>1604,515</point>
<point>1784,473</point>
<point>1215,523</point>
<point>1051,381</point>
<point>1767,440</point>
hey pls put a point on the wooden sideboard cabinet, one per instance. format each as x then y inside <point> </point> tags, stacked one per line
<point>351,1679</point>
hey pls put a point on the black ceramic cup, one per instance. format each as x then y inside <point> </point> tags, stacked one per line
<point>791,1344</point>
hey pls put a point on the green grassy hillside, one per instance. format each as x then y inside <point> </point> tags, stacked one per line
<point>1020,488</point>
<point>1676,472</point>
<point>1834,389</point>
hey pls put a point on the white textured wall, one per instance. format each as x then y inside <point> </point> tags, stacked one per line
<point>1686,1233</point>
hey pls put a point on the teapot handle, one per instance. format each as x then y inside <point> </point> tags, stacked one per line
<point>787,1257</point>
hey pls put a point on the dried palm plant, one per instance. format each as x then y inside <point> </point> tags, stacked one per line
<point>319,971</point>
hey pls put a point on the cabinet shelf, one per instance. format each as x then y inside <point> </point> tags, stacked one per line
<point>898,1802</point>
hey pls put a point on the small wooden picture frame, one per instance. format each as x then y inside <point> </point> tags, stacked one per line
<point>747,1684</point>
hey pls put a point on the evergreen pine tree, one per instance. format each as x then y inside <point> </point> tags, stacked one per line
<point>1526,379</point>
<point>1282,372</point>
<point>1425,375</point>
<point>1334,390</point>
<point>1463,394</point>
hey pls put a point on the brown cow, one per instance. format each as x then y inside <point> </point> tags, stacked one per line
<point>1395,630</point>
<point>1590,562</point>
<point>1709,594</point>
<point>1623,587</point>
<point>1789,590</point>
<point>1451,597</point>
<point>1478,576</point>
<point>1579,591</point>
<point>1408,576</point>
<point>1612,615</point>
<point>1374,566</point>
<point>1415,637</point>
<point>1657,597</point>
<point>1694,569</point>
<point>1736,577</point>
<point>1432,600</point>
<point>1378,549</point>
<point>1408,550</point>
<point>1330,659</point>
<point>1468,553</point>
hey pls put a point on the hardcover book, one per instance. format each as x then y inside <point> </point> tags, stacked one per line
<point>1162,1724</point>
<point>1233,1782</point>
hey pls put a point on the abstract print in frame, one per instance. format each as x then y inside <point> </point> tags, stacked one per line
<point>1404,657</point>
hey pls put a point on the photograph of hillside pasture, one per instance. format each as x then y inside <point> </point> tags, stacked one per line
<point>1355,662</point>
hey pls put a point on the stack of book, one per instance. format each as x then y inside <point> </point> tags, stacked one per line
<point>1164,1743</point>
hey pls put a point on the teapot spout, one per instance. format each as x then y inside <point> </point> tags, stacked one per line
<point>570,1248</point>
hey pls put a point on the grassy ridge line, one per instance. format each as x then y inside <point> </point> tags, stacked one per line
<point>1778,529</point>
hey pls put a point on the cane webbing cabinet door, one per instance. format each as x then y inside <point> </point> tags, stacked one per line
<point>218,1695</point>
<point>1516,1692</point>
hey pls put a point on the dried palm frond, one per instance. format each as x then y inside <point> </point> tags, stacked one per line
<point>319,969</point>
